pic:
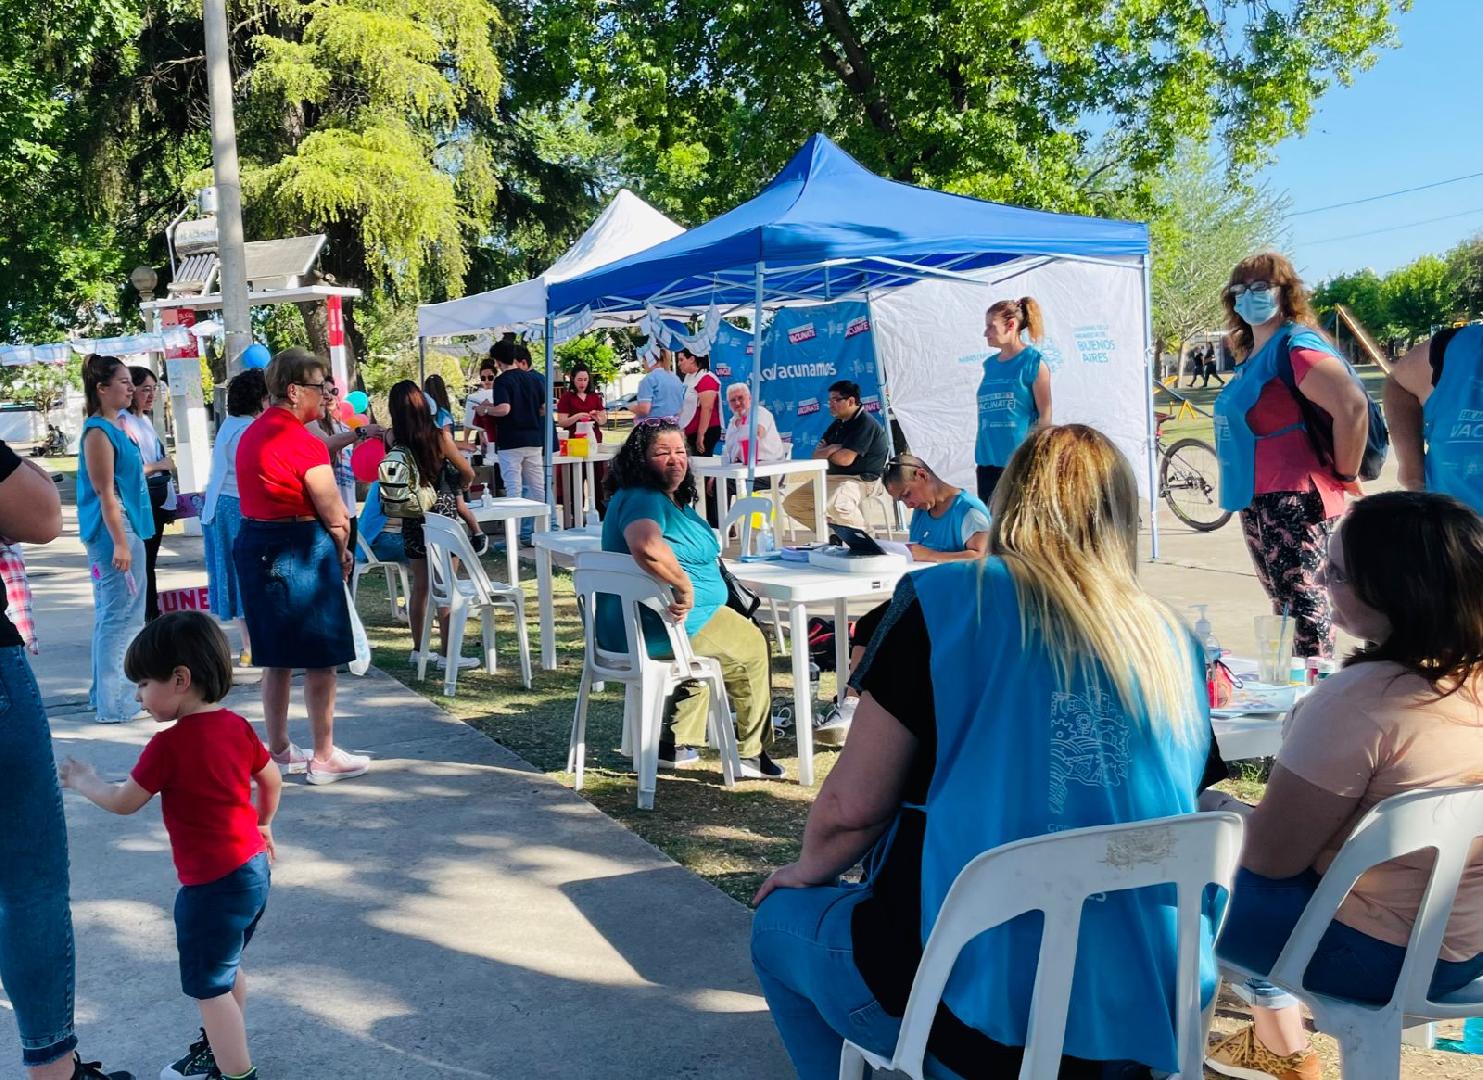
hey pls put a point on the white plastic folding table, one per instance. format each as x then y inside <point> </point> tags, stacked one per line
<point>510,510</point>
<point>724,472</point>
<point>562,547</point>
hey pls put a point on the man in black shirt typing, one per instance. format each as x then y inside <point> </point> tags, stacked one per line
<point>855,447</point>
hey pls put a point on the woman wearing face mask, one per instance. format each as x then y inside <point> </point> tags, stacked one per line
<point>1269,470</point>
<point>1014,395</point>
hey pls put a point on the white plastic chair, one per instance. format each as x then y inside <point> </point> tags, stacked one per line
<point>399,605</point>
<point>740,517</point>
<point>465,596</point>
<point>647,682</point>
<point>884,507</point>
<point>1447,821</point>
<point>1056,874</point>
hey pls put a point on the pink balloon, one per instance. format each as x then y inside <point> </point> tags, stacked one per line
<point>365,460</point>
<point>346,412</point>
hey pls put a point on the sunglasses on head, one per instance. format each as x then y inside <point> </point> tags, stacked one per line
<point>655,421</point>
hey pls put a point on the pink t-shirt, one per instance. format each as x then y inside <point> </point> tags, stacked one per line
<point>1287,462</point>
<point>1373,731</point>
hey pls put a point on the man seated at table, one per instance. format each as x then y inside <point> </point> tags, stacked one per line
<point>770,446</point>
<point>855,447</point>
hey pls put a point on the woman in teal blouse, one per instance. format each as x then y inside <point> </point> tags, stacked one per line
<point>1014,394</point>
<point>651,517</point>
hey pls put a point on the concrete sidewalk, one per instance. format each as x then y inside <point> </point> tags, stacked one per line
<point>454,913</point>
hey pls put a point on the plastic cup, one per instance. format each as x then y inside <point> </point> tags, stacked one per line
<point>1273,649</point>
<point>563,448</point>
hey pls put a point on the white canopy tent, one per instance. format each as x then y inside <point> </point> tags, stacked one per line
<point>628,225</point>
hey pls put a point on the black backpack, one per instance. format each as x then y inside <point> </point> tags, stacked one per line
<point>1320,427</point>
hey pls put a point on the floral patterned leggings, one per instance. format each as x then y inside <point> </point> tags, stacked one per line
<point>1288,535</point>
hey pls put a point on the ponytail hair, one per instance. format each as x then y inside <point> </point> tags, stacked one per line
<point>97,370</point>
<point>1026,315</point>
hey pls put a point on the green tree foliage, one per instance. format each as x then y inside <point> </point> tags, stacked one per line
<point>595,352</point>
<point>1201,225</point>
<point>1465,268</point>
<point>1064,104</point>
<point>1420,297</point>
<point>1363,293</point>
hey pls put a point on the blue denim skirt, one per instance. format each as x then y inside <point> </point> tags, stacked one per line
<point>293,595</point>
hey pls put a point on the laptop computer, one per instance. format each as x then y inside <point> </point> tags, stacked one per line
<point>858,541</point>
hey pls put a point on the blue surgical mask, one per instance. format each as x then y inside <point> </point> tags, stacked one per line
<point>1257,307</point>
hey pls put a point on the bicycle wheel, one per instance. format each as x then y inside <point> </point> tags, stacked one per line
<point>1187,481</point>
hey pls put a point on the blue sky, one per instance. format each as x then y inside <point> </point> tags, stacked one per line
<point>1414,118</point>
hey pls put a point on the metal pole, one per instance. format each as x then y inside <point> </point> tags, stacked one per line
<point>1148,375</point>
<point>550,436</point>
<point>421,360</point>
<point>880,379</point>
<point>756,378</point>
<point>235,316</point>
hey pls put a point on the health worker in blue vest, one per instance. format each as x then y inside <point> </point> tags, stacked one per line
<point>1036,690</point>
<point>1434,408</point>
<point>114,517</point>
<point>1014,395</point>
<point>1270,471</point>
<point>947,525</point>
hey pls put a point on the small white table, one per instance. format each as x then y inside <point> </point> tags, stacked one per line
<point>579,492</point>
<point>511,510</point>
<point>1254,735</point>
<point>562,547</point>
<point>796,585</point>
<point>721,471</point>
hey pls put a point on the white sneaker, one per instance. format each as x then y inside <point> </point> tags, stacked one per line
<point>464,662</point>
<point>340,766</point>
<point>292,761</point>
<point>833,727</point>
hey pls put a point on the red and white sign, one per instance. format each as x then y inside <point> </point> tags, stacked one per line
<point>335,318</point>
<point>179,317</point>
<point>194,599</point>
<point>799,334</point>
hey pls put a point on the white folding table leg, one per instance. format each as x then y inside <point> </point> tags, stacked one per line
<point>821,494</point>
<point>841,649</point>
<point>512,555</point>
<point>803,721</point>
<point>548,617</point>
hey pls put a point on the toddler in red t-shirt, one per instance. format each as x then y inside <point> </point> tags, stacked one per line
<point>203,768</point>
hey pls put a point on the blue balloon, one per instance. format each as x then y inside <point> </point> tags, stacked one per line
<point>358,400</point>
<point>256,356</point>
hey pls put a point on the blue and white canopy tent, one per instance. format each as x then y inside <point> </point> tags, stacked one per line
<point>827,229</point>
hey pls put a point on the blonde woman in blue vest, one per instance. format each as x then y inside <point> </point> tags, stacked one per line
<point>1014,394</point>
<point>1036,690</point>
<point>1270,471</point>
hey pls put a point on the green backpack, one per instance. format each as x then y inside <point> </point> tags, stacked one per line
<point>403,494</point>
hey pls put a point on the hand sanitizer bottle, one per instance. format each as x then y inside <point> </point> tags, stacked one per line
<point>1206,635</point>
<point>767,543</point>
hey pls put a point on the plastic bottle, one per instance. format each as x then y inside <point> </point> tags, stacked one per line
<point>1206,634</point>
<point>593,521</point>
<point>767,543</point>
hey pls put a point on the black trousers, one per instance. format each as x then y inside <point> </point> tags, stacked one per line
<point>988,480</point>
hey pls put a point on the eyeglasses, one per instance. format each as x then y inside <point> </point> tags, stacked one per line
<point>317,387</point>
<point>332,389</point>
<point>656,421</point>
<point>1242,287</point>
<point>486,378</point>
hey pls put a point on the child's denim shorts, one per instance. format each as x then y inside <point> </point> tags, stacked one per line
<point>213,924</point>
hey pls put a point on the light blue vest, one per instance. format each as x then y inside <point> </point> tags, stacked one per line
<point>1006,406</point>
<point>128,482</point>
<point>1019,756</point>
<point>1453,421</point>
<point>945,533</point>
<point>1235,442</point>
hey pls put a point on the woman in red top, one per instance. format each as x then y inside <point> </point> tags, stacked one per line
<point>293,556</point>
<point>703,426</point>
<point>1295,497</point>
<point>581,404</point>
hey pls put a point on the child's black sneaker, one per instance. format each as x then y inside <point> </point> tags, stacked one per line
<point>93,1070</point>
<point>217,1074</point>
<point>198,1061</point>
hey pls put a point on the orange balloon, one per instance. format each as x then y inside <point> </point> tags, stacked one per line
<point>356,422</point>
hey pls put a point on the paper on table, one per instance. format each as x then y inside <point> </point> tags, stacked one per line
<point>895,547</point>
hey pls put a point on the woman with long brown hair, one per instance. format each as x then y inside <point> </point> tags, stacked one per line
<point>1270,470</point>
<point>441,467</point>
<point>159,468</point>
<point>1043,674</point>
<point>115,519</point>
<point>1014,394</point>
<point>1404,574</point>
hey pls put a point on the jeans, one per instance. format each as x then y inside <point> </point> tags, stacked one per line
<point>804,957</point>
<point>36,951</point>
<point>1346,964</point>
<point>118,602</point>
<point>524,473</point>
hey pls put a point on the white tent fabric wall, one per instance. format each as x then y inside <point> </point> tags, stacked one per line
<point>929,337</point>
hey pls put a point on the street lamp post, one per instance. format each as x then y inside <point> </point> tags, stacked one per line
<point>234,308</point>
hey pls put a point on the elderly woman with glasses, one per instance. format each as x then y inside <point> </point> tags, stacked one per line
<point>1288,491</point>
<point>293,556</point>
<point>651,517</point>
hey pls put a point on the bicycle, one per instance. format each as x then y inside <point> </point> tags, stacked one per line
<point>1188,473</point>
